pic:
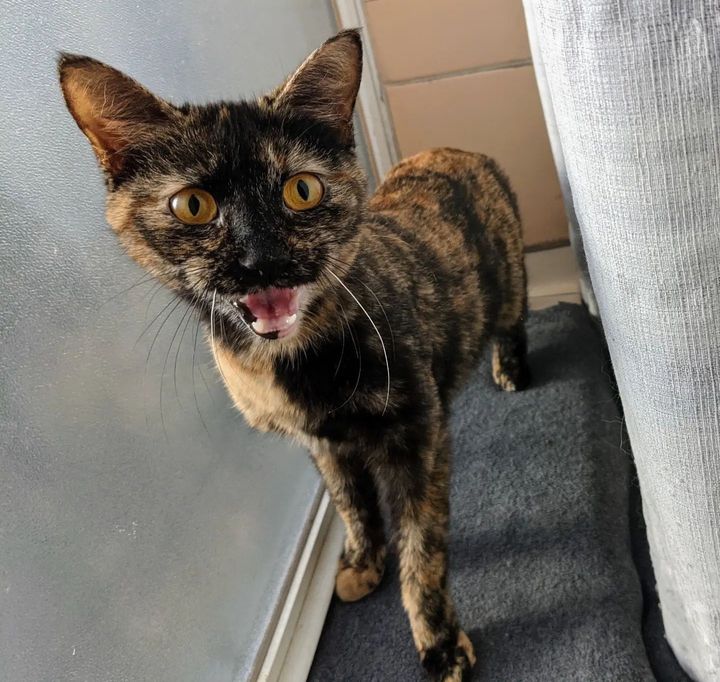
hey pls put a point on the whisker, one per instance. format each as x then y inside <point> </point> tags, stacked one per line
<point>375,296</point>
<point>152,322</point>
<point>162,374</point>
<point>199,367</point>
<point>382,307</point>
<point>147,279</point>
<point>212,321</point>
<point>212,334</point>
<point>162,324</point>
<point>342,352</point>
<point>192,374</point>
<point>179,347</point>
<point>185,314</point>
<point>377,331</point>
<point>359,357</point>
<point>356,346</point>
<point>157,290</point>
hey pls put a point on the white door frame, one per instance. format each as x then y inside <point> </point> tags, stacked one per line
<point>371,104</point>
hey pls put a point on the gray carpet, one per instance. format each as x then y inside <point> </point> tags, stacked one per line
<point>542,566</point>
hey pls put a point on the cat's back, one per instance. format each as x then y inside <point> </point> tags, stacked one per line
<point>448,223</point>
<point>441,191</point>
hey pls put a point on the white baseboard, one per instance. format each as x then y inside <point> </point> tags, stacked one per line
<point>292,647</point>
<point>552,277</point>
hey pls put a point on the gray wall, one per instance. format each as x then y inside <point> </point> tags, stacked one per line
<point>129,550</point>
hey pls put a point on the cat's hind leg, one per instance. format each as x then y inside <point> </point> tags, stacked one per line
<point>510,370</point>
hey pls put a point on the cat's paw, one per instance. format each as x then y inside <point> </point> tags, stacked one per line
<point>353,582</point>
<point>510,370</point>
<point>504,382</point>
<point>450,664</point>
<point>516,379</point>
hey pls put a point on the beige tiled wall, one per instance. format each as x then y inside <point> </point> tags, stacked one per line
<point>458,73</point>
<point>414,38</point>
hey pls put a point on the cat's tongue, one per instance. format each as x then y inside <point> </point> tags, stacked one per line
<point>274,310</point>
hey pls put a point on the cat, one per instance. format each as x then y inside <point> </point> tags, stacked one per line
<point>345,322</point>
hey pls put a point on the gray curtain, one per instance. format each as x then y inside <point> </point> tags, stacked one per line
<point>633,92</point>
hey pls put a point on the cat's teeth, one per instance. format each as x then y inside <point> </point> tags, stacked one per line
<point>235,303</point>
<point>264,326</point>
<point>260,326</point>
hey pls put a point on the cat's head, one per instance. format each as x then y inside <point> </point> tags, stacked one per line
<point>243,208</point>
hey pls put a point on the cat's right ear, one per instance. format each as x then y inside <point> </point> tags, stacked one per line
<point>113,110</point>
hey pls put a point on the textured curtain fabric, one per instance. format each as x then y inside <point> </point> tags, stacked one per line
<point>635,91</point>
<point>586,291</point>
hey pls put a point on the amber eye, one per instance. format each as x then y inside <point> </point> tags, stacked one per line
<point>303,191</point>
<point>193,206</point>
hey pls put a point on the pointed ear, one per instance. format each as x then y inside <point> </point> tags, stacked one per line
<point>114,111</point>
<point>325,86</point>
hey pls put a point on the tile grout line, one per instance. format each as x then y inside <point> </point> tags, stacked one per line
<point>514,64</point>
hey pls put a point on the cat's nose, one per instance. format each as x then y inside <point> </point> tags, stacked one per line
<point>263,266</point>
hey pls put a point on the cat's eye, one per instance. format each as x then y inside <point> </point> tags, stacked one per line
<point>303,191</point>
<point>193,206</point>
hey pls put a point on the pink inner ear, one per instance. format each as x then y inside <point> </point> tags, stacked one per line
<point>110,135</point>
<point>112,109</point>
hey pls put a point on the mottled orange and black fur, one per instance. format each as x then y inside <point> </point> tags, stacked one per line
<point>402,293</point>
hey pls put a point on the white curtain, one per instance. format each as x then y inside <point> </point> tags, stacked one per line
<point>632,92</point>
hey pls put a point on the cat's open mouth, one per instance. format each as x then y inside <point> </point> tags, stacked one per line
<point>271,313</point>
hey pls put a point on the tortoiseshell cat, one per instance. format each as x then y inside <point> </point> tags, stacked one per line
<point>343,322</point>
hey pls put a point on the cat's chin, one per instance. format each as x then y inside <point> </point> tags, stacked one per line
<point>272,313</point>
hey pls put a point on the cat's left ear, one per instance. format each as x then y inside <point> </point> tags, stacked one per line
<point>325,86</point>
<point>114,111</point>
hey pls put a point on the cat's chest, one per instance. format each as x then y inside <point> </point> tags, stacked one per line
<point>256,392</point>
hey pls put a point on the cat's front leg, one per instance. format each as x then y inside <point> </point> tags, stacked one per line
<point>352,490</point>
<point>421,511</point>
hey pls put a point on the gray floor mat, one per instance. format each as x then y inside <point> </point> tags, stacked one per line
<point>541,565</point>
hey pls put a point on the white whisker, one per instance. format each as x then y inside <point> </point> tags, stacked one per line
<point>212,335</point>
<point>342,352</point>
<point>359,359</point>
<point>382,307</point>
<point>212,319</point>
<point>377,331</point>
